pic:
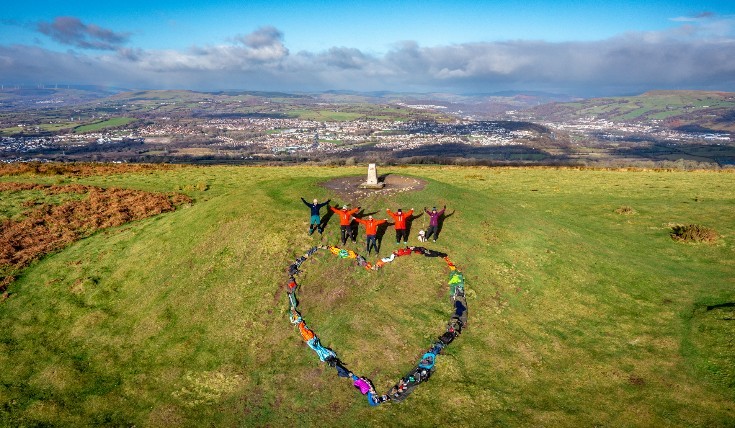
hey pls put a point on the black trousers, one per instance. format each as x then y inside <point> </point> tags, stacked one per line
<point>346,232</point>
<point>372,243</point>
<point>401,233</point>
<point>432,230</point>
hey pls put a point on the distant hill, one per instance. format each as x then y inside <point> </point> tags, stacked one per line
<point>231,104</point>
<point>703,110</point>
<point>471,105</point>
<point>480,106</point>
<point>684,110</point>
<point>16,98</point>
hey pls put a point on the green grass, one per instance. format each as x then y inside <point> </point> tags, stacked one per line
<point>665,115</point>
<point>323,115</point>
<point>344,112</point>
<point>109,123</point>
<point>710,342</point>
<point>55,127</point>
<point>578,316</point>
<point>635,114</point>
<point>13,204</point>
<point>11,131</point>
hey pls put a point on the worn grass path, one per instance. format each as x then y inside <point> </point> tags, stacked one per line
<point>579,316</point>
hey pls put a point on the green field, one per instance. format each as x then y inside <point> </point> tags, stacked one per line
<point>335,142</point>
<point>5,132</point>
<point>342,113</point>
<point>109,123</point>
<point>57,127</point>
<point>578,315</point>
<point>323,115</point>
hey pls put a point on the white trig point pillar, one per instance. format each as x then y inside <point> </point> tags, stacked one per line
<point>372,179</point>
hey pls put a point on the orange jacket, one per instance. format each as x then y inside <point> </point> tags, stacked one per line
<point>344,215</point>
<point>400,219</point>
<point>306,334</point>
<point>371,226</point>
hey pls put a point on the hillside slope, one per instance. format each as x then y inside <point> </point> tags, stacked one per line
<point>579,315</point>
<point>705,109</point>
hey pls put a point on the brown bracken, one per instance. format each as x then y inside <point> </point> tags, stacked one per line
<point>47,228</point>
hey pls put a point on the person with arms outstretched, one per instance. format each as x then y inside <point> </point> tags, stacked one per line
<point>345,222</point>
<point>315,222</point>
<point>434,216</point>
<point>371,231</point>
<point>399,217</point>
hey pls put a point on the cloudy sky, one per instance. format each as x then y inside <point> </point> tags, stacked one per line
<point>581,48</point>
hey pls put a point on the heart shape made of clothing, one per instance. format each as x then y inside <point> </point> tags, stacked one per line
<point>425,367</point>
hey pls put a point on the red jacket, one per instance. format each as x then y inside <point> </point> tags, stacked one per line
<point>344,215</point>
<point>371,226</point>
<point>400,218</point>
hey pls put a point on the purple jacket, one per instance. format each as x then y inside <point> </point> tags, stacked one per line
<point>434,217</point>
<point>363,386</point>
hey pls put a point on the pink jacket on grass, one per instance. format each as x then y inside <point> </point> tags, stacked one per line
<point>363,386</point>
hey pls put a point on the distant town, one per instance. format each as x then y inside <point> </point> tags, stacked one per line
<point>274,136</point>
<point>210,129</point>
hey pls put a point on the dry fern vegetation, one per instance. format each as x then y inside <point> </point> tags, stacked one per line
<point>625,210</point>
<point>693,233</point>
<point>76,169</point>
<point>46,227</point>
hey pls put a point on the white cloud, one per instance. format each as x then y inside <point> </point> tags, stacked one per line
<point>72,31</point>
<point>694,18</point>
<point>697,54</point>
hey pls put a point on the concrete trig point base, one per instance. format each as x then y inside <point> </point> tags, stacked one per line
<point>372,179</point>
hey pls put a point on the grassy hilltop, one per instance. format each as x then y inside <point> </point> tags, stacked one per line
<point>582,313</point>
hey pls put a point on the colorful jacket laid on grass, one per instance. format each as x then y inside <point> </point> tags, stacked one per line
<point>425,366</point>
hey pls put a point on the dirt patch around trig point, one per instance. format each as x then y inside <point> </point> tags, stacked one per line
<point>348,188</point>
